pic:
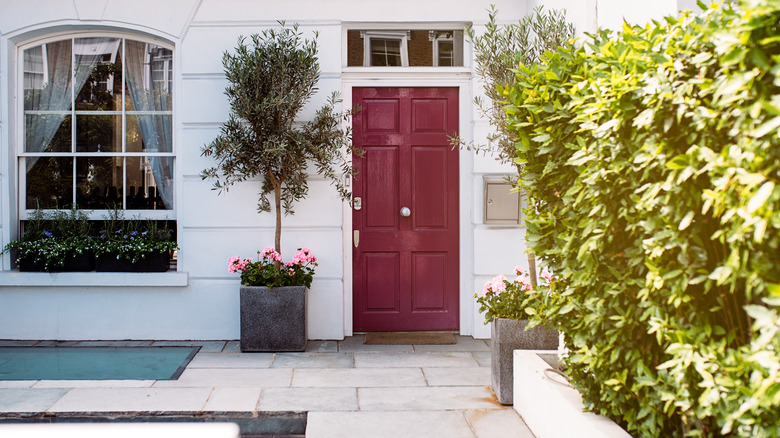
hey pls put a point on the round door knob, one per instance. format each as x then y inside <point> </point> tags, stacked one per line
<point>405,212</point>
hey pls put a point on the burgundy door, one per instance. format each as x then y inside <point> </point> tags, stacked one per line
<point>405,262</point>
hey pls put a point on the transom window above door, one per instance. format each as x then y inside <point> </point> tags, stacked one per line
<point>404,48</point>
<point>97,123</point>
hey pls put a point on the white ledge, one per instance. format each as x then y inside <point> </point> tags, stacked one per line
<point>114,279</point>
<point>551,409</point>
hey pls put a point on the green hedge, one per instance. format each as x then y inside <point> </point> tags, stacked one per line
<point>651,158</point>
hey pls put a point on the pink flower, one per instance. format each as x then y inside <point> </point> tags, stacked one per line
<point>303,257</point>
<point>271,254</point>
<point>236,264</point>
<point>546,275</point>
<point>518,270</point>
<point>525,282</point>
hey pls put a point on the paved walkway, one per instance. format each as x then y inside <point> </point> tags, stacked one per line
<point>348,389</point>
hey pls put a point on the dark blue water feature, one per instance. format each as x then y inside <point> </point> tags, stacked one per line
<point>94,363</point>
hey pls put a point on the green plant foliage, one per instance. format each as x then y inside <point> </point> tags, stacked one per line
<point>272,77</point>
<point>133,239</point>
<point>651,160</point>
<point>51,237</point>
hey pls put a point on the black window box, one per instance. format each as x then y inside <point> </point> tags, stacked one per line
<point>152,262</point>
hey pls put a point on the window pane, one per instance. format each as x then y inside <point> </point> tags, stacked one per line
<point>49,182</point>
<point>150,183</point>
<point>394,47</point>
<point>149,133</point>
<point>98,73</point>
<point>99,182</point>
<point>99,133</point>
<point>445,54</point>
<point>149,70</point>
<point>47,77</point>
<point>56,126</point>
<point>385,52</point>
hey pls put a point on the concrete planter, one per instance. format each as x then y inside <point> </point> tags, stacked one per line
<point>506,336</point>
<point>273,319</point>
<point>550,407</point>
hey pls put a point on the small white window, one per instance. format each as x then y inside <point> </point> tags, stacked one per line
<point>385,48</point>
<point>447,48</point>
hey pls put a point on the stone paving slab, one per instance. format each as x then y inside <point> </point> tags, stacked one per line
<point>115,344</point>
<point>358,377</point>
<point>482,357</point>
<point>308,399</point>
<point>93,384</point>
<point>15,343</point>
<point>449,424</point>
<point>205,346</point>
<point>56,343</point>
<point>29,400</point>
<point>231,360</point>
<point>132,399</point>
<point>313,360</point>
<point>236,377</point>
<point>322,347</point>
<point>463,343</point>
<point>355,343</point>
<point>407,360</point>
<point>472,376</point>
<point>493,423</point>
<point>232,347</point>
<point>5,384</point>
<point>233,399</point>
<point>427,399</point>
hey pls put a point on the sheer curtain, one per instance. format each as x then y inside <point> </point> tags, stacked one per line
<point>156,130</point>
<point>55,95</point>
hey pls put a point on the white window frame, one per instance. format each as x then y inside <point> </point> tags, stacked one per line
<point>399,35</point>
<point>21,155</point>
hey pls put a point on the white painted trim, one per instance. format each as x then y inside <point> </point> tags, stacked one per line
<point>411,77</point>
<point>88,279</point>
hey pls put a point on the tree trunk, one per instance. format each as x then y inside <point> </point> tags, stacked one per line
<point>278,231</point>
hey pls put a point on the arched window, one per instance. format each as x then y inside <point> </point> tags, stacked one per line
<point>97,126</point>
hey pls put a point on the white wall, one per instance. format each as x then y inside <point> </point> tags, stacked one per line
<point>201,302</point>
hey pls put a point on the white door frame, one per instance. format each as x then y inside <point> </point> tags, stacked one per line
<point>422,77</point>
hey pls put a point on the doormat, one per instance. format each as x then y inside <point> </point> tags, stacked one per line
<point>409,338</point>
<point>94,363</point>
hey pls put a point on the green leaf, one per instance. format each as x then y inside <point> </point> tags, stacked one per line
<point>766,128</point>
<point>762,195</point>
<point>686,221</point>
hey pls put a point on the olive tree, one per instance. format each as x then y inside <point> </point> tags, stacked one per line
<point>272,78</point>
<point>498,52</point>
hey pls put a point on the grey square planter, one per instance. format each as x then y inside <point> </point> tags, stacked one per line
<point>273,319</point>
<point>506,336</point>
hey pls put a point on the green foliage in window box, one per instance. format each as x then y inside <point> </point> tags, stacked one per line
<point>133,239</point>
<point>50,238</point>
<point>651,160</point>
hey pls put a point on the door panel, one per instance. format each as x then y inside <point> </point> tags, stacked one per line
<point>405,268</point>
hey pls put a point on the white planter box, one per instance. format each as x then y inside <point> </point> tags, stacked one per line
<point>552,410</point>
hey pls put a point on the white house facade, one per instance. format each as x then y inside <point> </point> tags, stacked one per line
<point>406,62</point>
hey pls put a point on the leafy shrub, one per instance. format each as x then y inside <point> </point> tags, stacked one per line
<point>651,159</point>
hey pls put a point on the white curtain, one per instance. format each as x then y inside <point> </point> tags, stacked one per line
<point>55,95</point>
<point>156,129</point>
